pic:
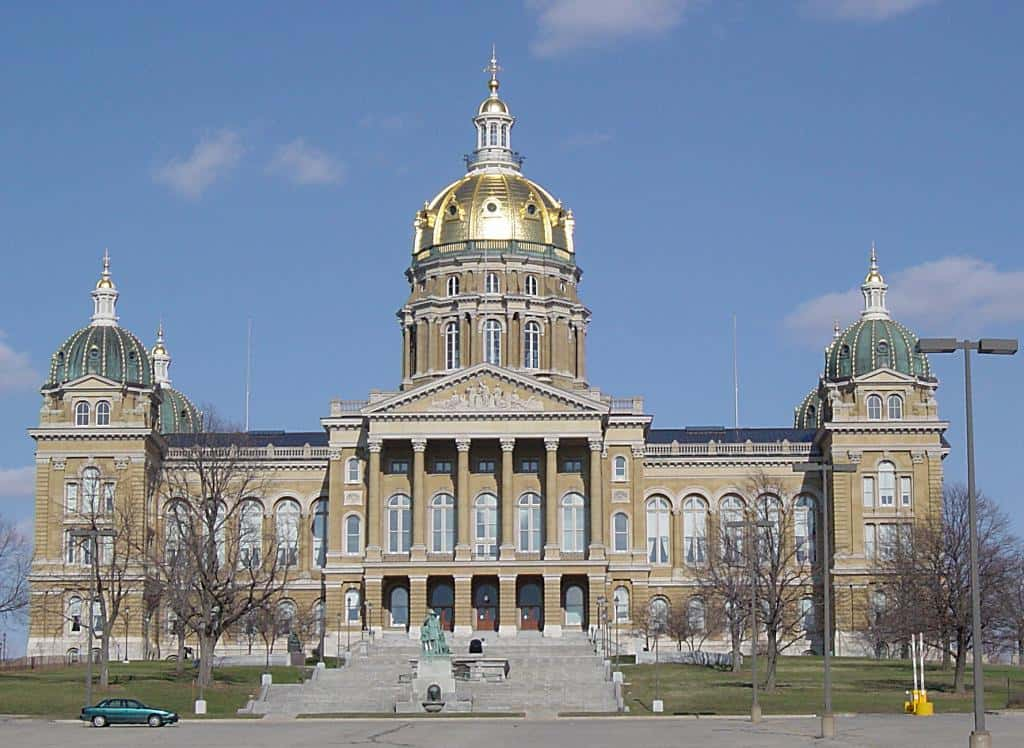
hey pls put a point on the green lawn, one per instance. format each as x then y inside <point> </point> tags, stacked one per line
<point>60,692</point>
<point>858,685</point>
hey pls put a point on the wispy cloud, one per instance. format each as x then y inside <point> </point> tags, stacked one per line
<point>567,25</point>
<point>953,295</point>
<point>16,373</point>
<point>587,139</point>
<point>212,158</point>
<point>863,10</point>
<point>17,482</point>
<point>301,163</point>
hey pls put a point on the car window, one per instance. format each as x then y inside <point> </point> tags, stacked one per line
<point>105,702</point>
<point>114,703</point>
<point>133,704</point>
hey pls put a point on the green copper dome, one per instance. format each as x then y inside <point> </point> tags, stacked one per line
<point>809,413</point>
<point>105,350</point>
<point>177,413</point>
<point>871,344</point>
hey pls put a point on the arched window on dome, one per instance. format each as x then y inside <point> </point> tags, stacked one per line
<point>812,416</point>
<point>531,346</point>
<point>452,357</point>
<point>93,364</point>
<point>452,285</point>
<point>82,413</point>
<point>874,405</point>
<point>491,283</point>
<point>504,136</point>
<point>102,413</point>
<point>493,130</point>
<point>883,358</point>
<point>492,342</point>
<point>895,408</point>
<point>482,139</point>
<point>531,285</point>
<point>844,361</point>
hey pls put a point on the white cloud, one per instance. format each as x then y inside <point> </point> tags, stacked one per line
<point>304,164</point>
<point>951,296</point>
<point>15,371</point>
<point>17,482</point>
<point>864,10</point>
<point>567,25</point>
<point>213,157</point>
<point>587,139</point>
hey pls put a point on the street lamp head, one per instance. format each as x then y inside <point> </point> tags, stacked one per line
<point>998,346</point>
<point>937,345</point>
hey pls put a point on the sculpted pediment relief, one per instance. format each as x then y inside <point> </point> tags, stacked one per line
<point>483,394</point>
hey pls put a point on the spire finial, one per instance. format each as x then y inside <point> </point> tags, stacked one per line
<point>161,358</point>
<point>874,289</point>
<point>104,296</point>
<point>493,68</point>
<point>835,329</point>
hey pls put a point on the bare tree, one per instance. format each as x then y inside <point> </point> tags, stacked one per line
<point>15,559</point>
<point>205,482</point>
<point>691,625</point>
<point>1011,608</point>
<point>724,579</point>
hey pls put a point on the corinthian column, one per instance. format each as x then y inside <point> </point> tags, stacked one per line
<point>551,499</point>
<point>597,518</point>
<point>373,521</point>
<point>507,506</point>
<point>419,502</point>
<point>464,541</point>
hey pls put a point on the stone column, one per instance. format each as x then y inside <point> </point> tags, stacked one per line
<point>335,501</point>
<point>551,542</point>
<point>465,341</point>
<point>419,502</point>
<point>478,337</point>
<point>437,344</point>
<point>515,346</point>
<point>581,358</point>
<point>553,605</point>
<point>419,365</point>
<point>373,517</point>
<point>463,606</point>
<point>508,500</point>
<point>596,589</point>
<point>405,351</point>
<point>597,516</point>
<point>552,349</point>
<point>464,540</point>
<point>373,603</point>
<point>639,515</point>
<point>508,617</point>
<point>417,604</point>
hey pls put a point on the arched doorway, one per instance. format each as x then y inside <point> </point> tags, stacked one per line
<point>441,597</point>
<point>398,606</point>
<point>574,603</point>
<point>485,603</point>
<point>530,601</point>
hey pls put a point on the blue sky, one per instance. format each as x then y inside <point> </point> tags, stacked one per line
<point>265,161</point>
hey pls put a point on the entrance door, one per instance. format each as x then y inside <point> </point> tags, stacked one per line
<point>485,601</point>
<point>531,605</point>
<point>574,605</point>
<point>442,600</point>
<point>399,606</point>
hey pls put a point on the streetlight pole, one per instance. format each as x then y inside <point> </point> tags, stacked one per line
<point>127,613</point>
<point>828,719</point>
<point>980,737</point>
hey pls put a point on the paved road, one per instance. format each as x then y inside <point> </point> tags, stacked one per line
<point>905,732</point>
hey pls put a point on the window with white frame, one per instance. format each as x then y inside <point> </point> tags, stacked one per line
<point>804,529</point>
<point>886,484</point>
<point>97,614</point>
<point>176,530</point>
<point>620,599</point>
<point>452,285</point>
<point>731,517</point>
<point>399,524</point>
<point>74,614</point>
<point>442,523</point>
<point>82,413</point>
<point>493,130</point>
<point>353,602</point>
<point>531,285</point>
<point>770,516</point>
<point>352,470</point>
<point>71,498</point>
<point>286,530</point>
<point>887,541</point>
<point>895,407</point>
<point>529,465</point>
<point>250,535</point>
<point>319,533</point>
<point>531,345</point>
<point>868,491</point>
<point>529,522</point>
<point>573,523</point>
<point>807,614</point>
<point>353,534</point>
<point>106,550</point>
<point>107,502</point>
<point>874,404</point>
<point>870,544</point>
<point>485,526</point>
<point>492,342</point>
<point>906,495</point>
<point>102,413</point>
<point>696,614</point>
<point>658,513</point>
<point>491,283</point>
<point>572,465</point>
<point>90,491</point>
<point>695,530</point>
<point>620,532</point>
<point>452,354</point>
<point>659,608</point>
<point>619,469</point>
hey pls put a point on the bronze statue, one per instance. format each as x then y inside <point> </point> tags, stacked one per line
<point>432,640</point>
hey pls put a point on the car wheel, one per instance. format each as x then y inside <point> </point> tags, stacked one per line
<point>99,721</point>
<point>154,721</point>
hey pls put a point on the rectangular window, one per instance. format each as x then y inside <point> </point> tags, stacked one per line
<point>869,491</point>
<point>71,498</point>
<point>72,547</point>
<point>398,467</point>
<point>572,465</point>
<point>886,542</point>
<point>529,465</point>
<point>108,498</point>
<point>869,542</point>
<point>106,549</point>
<point>905,491</point>
<point>442,467</point>
<point>485,466</point>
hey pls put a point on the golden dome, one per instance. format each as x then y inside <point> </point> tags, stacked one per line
<point>104,283</point>
<point>495,205</point>
<point>492,105</point>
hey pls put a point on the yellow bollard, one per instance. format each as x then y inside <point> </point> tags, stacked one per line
<point>925,708</point>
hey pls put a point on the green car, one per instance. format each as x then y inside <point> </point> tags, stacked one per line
<point>126,712</point>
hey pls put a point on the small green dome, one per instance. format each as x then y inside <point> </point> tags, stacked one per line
<point>177,413</point>
<point>105,350</point>
<point>871,344</point>
<point>809,413</point>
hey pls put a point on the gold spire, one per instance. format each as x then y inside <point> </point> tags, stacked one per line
<point>873,274</point>
<point>159,349</point>
<point>493,68</point>
<point>835,329</point>
<point>105,281</point>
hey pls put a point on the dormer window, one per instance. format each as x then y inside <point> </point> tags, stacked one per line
<point>844,361</point>
<point>102,413</point>
<point>531,209</point>
<point>895,408</point>
<point>883,355</point>
<point>453,285</point>
<point>874,408</point>
<point>82,414</point>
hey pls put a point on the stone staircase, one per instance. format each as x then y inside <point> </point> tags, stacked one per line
<point>546,676</point>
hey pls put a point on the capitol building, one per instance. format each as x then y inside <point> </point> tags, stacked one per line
<point>493,481</point>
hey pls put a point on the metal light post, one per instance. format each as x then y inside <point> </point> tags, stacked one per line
<point>748,527</point>
<point>828,720</point>
<point>322,615</point>
<point>980,737</point>
<point>91,534</point>
<point>601,602</point>
<point>337,648</point>
<point>127,613</point>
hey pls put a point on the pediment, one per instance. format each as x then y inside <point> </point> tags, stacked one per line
<point>91,382</point>
<point>884,376</point>
<point>486,389</point>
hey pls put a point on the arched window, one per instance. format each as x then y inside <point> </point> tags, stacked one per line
<point>485,526</point>
<point>250,534</point>
<point>319,529</point>
<point>573,523</point>
<point>620,598</point>
<point>452,357</point>
<point>504,136</point>
<point>769,516</point>
<point>619,469</point>
<point>91,491</point>
<point>874,403</point>
<point>74,614</point>
<point>82,413</point>
<point>353,602</point>
<point>452,286</point>
<point>483,136</point>
<point>804,528</point>
<point>658,512</point>
<point>493,129</point>
<point>492,342</point>
<point>529,523</point>
<point>531,345</point>
<point>895,408</point>
<point>807,614</point>
<point>353,534</point>
<point>531,285</point>
<point>285,616</point>
<point>695,530</point>
<point>491,283</point>
<point>620,532</point>
<point>71,656</point>
<point>102,413</point>
<point>442,523</point>
<point>731,519</point>
<point>886,483</point>
<point>659,614</point>
<point>884,361</point>
<point>398,605</point>
<point>286,530</point>
<point>97,615</point>
<point>399,524</point>
<point>317,614</point>
<point>696,614</point>
<point>176,530</point>
<point>844,361</point>
<point>352,470</point>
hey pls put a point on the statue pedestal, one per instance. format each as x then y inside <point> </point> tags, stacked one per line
<point>434,671</point>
